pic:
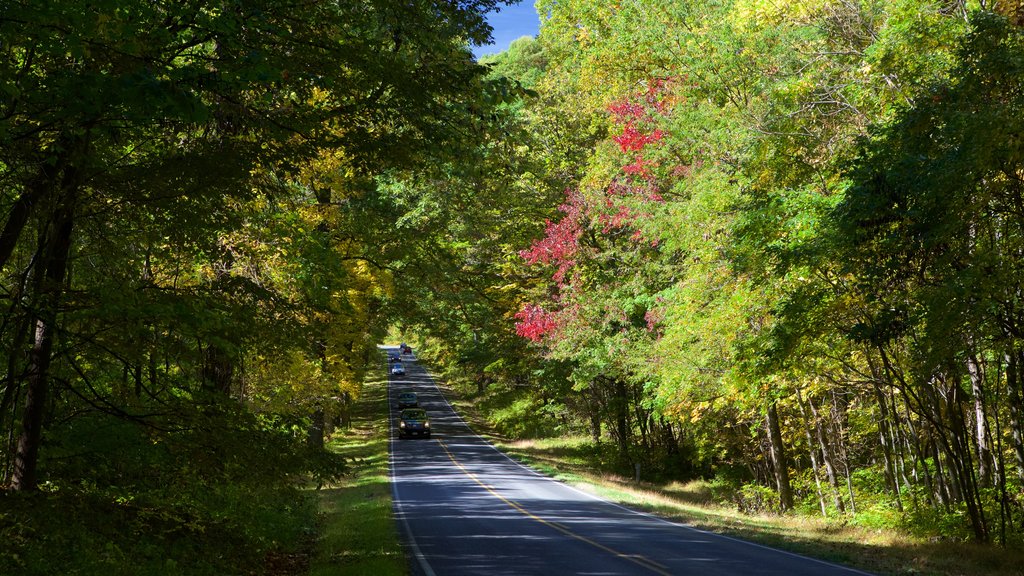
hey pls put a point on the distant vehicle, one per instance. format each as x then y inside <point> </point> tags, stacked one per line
<point>405,349</point>
<point>408,400</point>
<point>414,422</point>
<point>394,358</point>
<point>397,369</point>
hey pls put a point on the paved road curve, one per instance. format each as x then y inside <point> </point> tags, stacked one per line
<point>465,508</point>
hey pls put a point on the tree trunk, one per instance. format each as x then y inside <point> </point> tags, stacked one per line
<point>621,411</point>
<point>916,445</point>
<point>315,434</point>
<point>778,454</point>
<point>593,405</point>
<point>942,492</point>
<point>12,384</point>
<point>885,438</point>
<point>643,424</point>
<point>827,458</point>
<point>17,217</point>
<point>1014,400</point>
<point>980,421</point>
<point>1005,512</point>
<point>960,452</point>
<point>813,452</point>
<point>26,458</point>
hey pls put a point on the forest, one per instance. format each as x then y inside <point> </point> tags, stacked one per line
<point>767,244</point>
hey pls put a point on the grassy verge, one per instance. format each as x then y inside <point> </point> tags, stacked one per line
<point>880,551</point>
<point>358,533</point>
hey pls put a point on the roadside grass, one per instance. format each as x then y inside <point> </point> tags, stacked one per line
<point>572,461</point>
<point>357,530</point>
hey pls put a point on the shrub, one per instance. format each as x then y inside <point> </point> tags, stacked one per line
<point>757,499</point>
<point>212,495</point>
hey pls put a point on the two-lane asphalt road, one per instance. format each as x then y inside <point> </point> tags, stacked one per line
<point>465,508</point>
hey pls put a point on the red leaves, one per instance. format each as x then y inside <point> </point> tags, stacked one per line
<point>621,217</point>
<point>637,113</point>
<point>633,140</point>
<point>561,239</point>
<point>535,322</point>
<point>619,206</point>
<point>639,116</point>
<point>653,318</point>
<point>627,111</point>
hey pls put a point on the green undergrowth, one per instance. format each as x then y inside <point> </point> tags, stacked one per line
<point>218,496</point>
<point>858,542</point>
<point>357,529</point>
<point>229,494</point>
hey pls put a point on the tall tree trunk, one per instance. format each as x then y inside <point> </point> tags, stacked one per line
<point>902,449</point>
<point>26,459</point>
<point>916,445</point>
<point>942,492</point>
<point>813,452</point>
<point>218,370</point>
<point>19,213</point>
<point>1016,405</point>
<point>839,410</point>
<point>885,434</point>
<point>317,431</point>
<point>595,426</point>
<point>1005,512</point>
<point>672,452</point>
<point>620,407</point>
<point>778,454</point>
<point>827,458</point>
<point>942,437</point>
<point>11,382</point>
<point>643,420</point>
<point>960,440</point>
<point>985,464</point>
<point>885,438</point>
<point>593,406</point>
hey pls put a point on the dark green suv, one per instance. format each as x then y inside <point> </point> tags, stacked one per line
<point>414,422</point>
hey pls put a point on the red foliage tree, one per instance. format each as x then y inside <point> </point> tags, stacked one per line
<point>561,240</point>
<point>534,322</point>
<point>638,117</point>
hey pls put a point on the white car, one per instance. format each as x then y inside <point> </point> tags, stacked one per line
<point>397,369</point>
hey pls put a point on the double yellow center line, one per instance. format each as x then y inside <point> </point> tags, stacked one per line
<point>638,560</point>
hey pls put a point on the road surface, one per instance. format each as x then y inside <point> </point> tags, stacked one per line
<point>465,508</point>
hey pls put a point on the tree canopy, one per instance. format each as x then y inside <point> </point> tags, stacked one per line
<point>769,244</point>
<point>775,246</point>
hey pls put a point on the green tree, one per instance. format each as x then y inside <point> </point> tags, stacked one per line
<point>930,231</point>
<point>181,114</point>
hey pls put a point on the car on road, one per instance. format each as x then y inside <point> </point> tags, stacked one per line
<point>408,400</point>
<point>398,369</point>
<point>414,422</point>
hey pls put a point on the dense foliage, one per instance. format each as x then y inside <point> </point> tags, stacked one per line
<point>198,238</point>
<point>776,245</point>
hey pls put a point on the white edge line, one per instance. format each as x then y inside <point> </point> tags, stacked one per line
<point>631,510</point>
<point>396,501</point>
